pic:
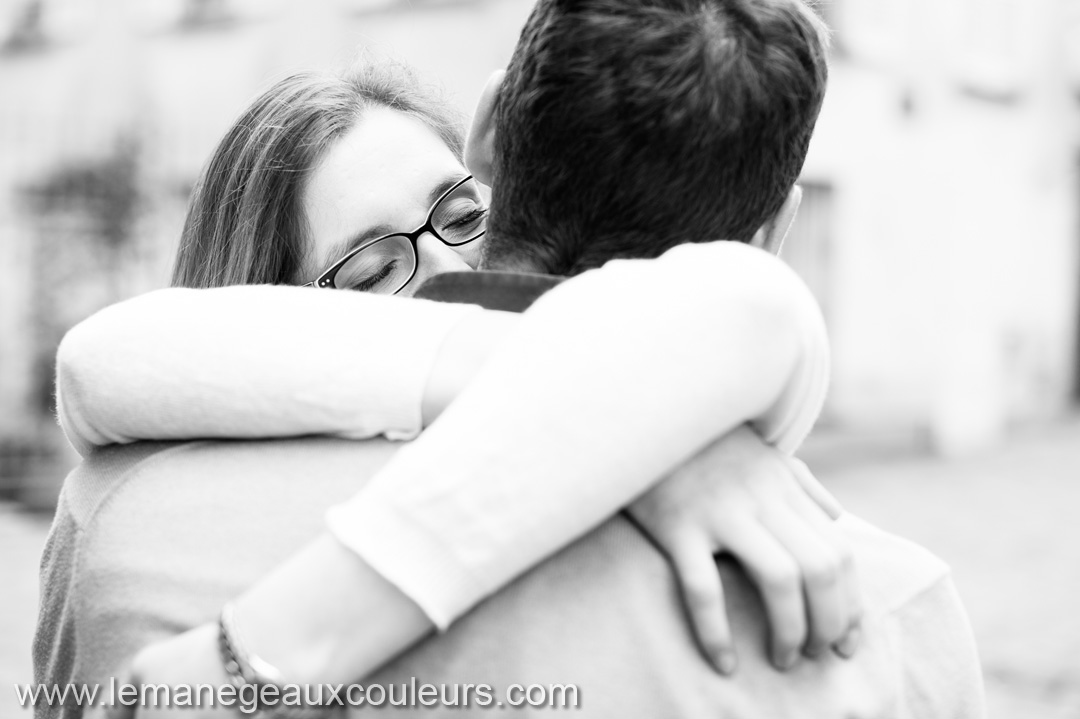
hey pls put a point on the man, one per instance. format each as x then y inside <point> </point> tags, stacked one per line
<point>612,623</point>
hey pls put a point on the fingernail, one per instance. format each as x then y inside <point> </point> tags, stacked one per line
<point>785,661</point>
<point>813,650</point>
<point>726,662</point>
<point>846,647</point>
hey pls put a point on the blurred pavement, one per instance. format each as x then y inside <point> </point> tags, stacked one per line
<point>1004,520</point>
<point>22,536</point>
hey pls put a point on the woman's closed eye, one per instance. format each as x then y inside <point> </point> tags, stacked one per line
<point>372,280</point>
<point>383,266</point>
<point>463,220</point>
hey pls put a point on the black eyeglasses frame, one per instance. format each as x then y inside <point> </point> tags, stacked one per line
<point>326,279</point>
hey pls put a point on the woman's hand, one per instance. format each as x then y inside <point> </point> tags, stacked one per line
<point>188,659</point>
<point>324,616</point>
<point>746,498</point>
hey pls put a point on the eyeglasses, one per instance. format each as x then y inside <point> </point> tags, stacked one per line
<point>386,264</point>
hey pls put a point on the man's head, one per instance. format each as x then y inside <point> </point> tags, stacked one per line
<point>624,127</point>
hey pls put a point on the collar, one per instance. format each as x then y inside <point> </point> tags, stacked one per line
<point>507,291</point>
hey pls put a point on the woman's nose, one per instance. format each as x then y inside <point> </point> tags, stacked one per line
<point>434,258</point>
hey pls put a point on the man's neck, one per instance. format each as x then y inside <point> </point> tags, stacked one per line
<point>491,289</point>
<point>520,263</point>
<point>515,265</point>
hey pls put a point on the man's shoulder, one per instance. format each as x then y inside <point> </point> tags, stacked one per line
<point>179,501</point>
<point>86,489</point>
<point>152,538</point>
<point>893,571</point>
<point>148,475</point>
<point>913,607</point>
<point>104,473</point>
<point>605,613</point>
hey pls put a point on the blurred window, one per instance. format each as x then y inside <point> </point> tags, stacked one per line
<point>26,28</point>
<point>1076,230</point>
<point>364,6</point>
<point>1072,44</point>
<point>203,13</point>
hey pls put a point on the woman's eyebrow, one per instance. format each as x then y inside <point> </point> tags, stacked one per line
<point>347,246</point>
<point>447,182</point>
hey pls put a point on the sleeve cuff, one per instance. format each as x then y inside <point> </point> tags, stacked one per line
<point>396,404</point>
<point>424,569</point>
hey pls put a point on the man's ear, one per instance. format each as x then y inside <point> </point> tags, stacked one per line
<point>772,234</point>
<point>479,147</point>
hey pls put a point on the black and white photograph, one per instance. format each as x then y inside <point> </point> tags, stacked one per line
<point>603,358</point>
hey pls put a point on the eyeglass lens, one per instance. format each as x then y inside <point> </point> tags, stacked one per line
<point>385,266</point>
<point>461,216</point>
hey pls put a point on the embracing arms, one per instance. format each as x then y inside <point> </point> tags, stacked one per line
<point>249,362</point>
<point>739,334</point>
<point>625,374</point>
<point>272,361</point>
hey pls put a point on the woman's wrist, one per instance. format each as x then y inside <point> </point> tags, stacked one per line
<point>461,355</point>
<point>327,616</point>
<point>239,663</point>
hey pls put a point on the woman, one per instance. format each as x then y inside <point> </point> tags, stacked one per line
<point>272,176</point>
<point>329,171</point>
<point>317,167</point>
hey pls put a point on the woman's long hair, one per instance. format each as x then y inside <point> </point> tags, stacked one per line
<point>245,222</point>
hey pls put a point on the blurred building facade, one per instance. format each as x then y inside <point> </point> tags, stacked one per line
<point>939,230</point>
<point>950,146</point>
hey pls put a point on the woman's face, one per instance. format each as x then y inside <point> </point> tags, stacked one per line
<point>380,178</point>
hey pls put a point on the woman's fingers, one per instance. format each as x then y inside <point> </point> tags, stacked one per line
<point>822,575</point>
<point>119,710</point>
<point>827,532</point>
<point>813,488</point>
<point>780,583</point>
<point>699,579</point>
<point>847,644</point>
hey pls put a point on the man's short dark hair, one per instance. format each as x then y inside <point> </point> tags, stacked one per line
<point>626,127</point>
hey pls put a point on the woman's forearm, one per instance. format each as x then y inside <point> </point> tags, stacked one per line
<point>323,617</point>
<point>461,357</point>
<point>327,616</point>
<point>604,387</point>
<point>247,362</point>
<point>611,381</point>
<point>507,476</point>
<point>608,383</point>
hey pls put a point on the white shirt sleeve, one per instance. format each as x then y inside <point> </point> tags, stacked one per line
<point>254,361</point>
<point>610,381</point>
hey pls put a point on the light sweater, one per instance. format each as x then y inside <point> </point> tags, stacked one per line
<point>629,370</point>
<point>150,540</point>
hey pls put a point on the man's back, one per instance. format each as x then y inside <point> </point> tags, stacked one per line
<point>151,540</point>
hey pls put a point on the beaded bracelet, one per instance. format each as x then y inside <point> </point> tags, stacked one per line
<point>242,666</point>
